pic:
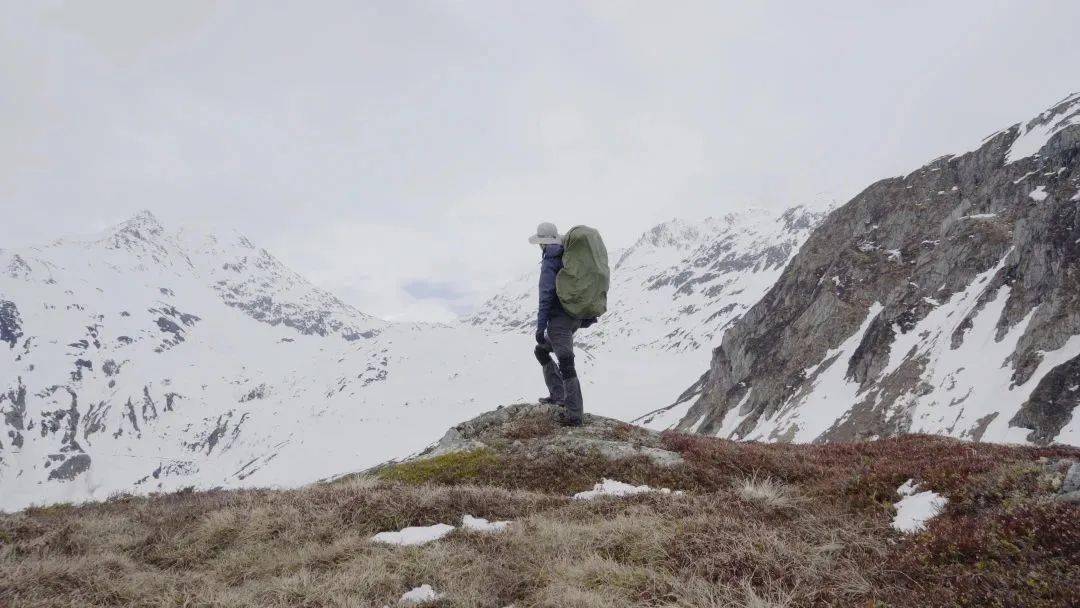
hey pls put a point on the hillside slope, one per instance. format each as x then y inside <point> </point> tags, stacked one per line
<point>493,513</point>
<point>946,301</point>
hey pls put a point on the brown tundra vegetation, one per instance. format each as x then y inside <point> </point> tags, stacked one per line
<point>759,525</point>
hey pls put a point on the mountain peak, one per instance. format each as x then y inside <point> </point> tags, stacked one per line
<point>144,219</point>
<point>1037,132</point>
<point>141,227</point>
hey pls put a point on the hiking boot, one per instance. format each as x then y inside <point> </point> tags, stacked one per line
<point>549,401</point>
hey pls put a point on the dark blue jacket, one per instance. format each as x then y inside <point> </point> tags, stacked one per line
<point>549,300</point>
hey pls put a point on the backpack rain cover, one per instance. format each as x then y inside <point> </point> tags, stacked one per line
<point>582,284</point>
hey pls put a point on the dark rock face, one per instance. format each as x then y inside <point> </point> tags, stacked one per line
<point>71,468</point>
<point>259,392</point>
<point>1052,403</point>
<point>224,427</point>
<point>13,404</point>
<point>80,365</point>
<point>10,323</point>
<point>908,304</point>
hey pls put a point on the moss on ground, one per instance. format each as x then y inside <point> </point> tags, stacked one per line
<point>453,468</point>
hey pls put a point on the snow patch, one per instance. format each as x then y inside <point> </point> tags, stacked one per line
<point>727,427</point>
<point>1024,176</point>
<point>611,487</point>
<point>419,595</point>
<point>479,524</point>
<point>915,508</point>
<point>413,535</point>
<point>1038,194</point>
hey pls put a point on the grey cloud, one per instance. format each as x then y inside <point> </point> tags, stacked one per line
<point>331,132</point>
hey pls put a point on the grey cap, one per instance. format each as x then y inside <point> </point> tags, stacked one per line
<point>546,234</point>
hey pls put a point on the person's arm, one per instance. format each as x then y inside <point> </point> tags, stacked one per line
<point>549,268</point>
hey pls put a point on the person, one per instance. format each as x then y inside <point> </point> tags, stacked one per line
<point>555,332</point>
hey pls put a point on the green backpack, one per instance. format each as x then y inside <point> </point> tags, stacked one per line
<point>582,284</point>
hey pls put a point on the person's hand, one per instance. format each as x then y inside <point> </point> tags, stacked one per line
<point>540,339</point>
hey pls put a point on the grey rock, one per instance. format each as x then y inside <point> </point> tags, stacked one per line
<point>1071,484</point>
<point>71,468</point>
<point>616,450</point>
<point>1073,497</point>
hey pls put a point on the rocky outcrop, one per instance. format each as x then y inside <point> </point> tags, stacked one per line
<point>530,428</point>
<point>945,301</point>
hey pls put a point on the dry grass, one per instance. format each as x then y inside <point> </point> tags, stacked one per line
<point>760,526</point>
<point>768,493</point>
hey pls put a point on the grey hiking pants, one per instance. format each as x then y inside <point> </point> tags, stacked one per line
<point>561,376</point>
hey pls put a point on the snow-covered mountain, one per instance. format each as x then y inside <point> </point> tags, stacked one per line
<point>945,301</point>
<point>672,295</point>
<point>146,359</point>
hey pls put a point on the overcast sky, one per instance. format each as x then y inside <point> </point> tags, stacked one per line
<point>440,133</point>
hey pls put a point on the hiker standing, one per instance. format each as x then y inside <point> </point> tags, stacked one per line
<point>583,286</point>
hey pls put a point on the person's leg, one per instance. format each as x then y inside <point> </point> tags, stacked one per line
<point>561,336</point>
<point>552,377</point>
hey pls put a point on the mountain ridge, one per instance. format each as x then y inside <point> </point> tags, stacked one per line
<point>944,263</point>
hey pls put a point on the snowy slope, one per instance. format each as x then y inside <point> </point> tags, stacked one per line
<point>673,292</point>
<point>144,359</point>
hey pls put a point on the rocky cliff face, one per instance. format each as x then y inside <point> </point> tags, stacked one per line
<point>946,301</point>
